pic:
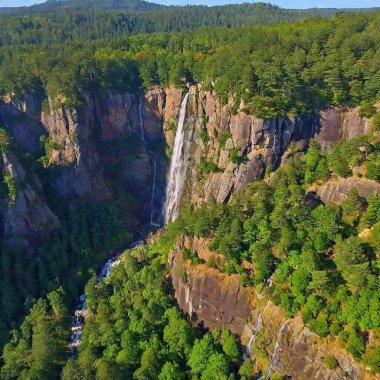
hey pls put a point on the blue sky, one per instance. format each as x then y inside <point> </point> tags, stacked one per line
<point>282,3</point>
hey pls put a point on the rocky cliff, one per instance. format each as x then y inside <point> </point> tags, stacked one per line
<point>109,146</point>
<point>241,147</point>
<point>214,299</point>
<point>113,143</point>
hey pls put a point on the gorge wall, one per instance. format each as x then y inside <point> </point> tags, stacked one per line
<point>214,299</point>
<point>243,148</point>
<point>104,148</point>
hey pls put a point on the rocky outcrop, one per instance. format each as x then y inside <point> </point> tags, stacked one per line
<point>25,127</point>
<point>74,151</point>
<point>25,213</point>
<point>354,125</point>
<point>111,133</point>
<point>244,147</point>
<point>115,143</point>
<point>109,146</point>
<point>335,190</point>
<point>213,299</point>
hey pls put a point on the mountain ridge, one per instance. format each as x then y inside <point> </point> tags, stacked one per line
<point>146,6</point>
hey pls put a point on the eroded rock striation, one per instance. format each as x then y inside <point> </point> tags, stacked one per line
<point>214,299</point>
<point>243,147</point>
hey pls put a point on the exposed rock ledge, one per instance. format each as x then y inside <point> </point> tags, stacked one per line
<point>214,299</point>
<point>335,190</point>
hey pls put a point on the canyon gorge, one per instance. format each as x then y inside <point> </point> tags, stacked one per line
<point>185,144</point>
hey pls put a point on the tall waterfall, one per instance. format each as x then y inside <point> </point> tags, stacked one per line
<point>255,330</point>
<point>178,167</point>
<point>274,359</point>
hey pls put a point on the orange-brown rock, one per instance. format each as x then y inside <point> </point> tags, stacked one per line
<point>213,299</point>
<point>335,190</point>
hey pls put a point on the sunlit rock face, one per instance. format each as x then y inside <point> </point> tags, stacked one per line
<point>213,299</point>
<point>97,149</point>
<point>223,132</point>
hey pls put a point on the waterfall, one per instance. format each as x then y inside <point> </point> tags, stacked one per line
<point>79,314</point>
<point>274,359</point>
<point>178,167</point>
<point>256,329</point>
<point>269,281</point>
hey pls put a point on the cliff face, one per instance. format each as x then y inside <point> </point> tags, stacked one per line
<point>111,145</point>
<point>106,135</point>
<point>26,217</point>
<point>214,299</point>
<point>115,143</point>
<point>243,147</point>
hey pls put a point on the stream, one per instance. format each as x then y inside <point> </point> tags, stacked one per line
<point>174,190</point>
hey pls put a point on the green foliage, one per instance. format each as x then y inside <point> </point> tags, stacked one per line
<point>38,349</point>
<point>316,164</point>
<point>236,158</point>
<point>12,186</point>
<point>246,369</point>
<point>224,136</point>
<point>367,109</point>
<point>352,260</point>
<point>376,122</point>
<point>49,145</point>
<point>345,155</point>
<point>208,167</point>
<point>136,331</point>
<point>352,207</point>
<point>372,357</point>
<point>373,166</point>
<point>5,141</point>
<point>87,233</point>
<point>203,133</point>
<point>322,63</point>
<point>331,362</point>
<point>321,268</point>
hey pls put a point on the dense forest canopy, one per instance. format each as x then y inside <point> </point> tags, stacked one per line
<point>274,69</point>
<point>105,19</point>
<point>322,269</point>
<point>59,5</point>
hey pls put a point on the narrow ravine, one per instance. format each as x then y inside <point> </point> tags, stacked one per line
<point>155,212</point>
<point>175,184</point>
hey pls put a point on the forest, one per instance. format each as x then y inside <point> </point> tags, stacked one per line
<point>324,266</point>
<point>64,21</point>
<point>323,269</point>
<point>274,69</point>
<point>271,62</point>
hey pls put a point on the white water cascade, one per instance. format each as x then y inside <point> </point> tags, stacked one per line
<point>256,329</point>
<point>274,358</point>
<point>178,166</point>
<point>80,312</point>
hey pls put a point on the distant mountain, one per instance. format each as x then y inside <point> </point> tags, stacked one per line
<point>71,20</point>
<point>143,6</point>
<point>55,5</point>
